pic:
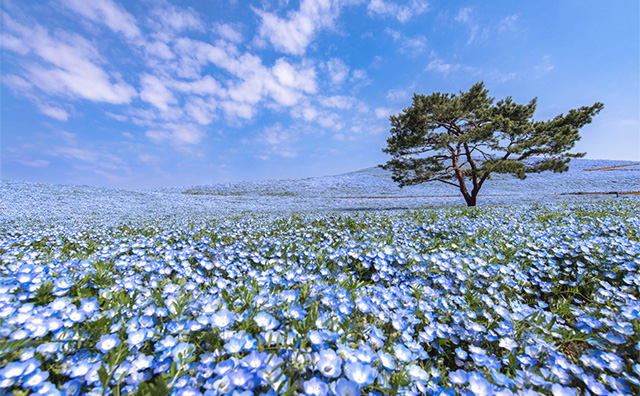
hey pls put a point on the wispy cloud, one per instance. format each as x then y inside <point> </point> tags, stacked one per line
<point>54,112</point>
<point>154,91</point>
<point>508,23</point>
<point>401,94</point>
<point>465,16</point>
<point>384,112</point>
<point>443,67</point>
<point>179,135</point>
<point>177,19</point>
<point>402,12</point>
<point>545,65</point>
<point>439,65</point>
<point>338,70</point>
<point>38,163</point>
<point>229,31</point>
<point>68,64</point>
<point>294,33</point>
<point>108,13</point>
<point>410,46</point>
<point>279,141</point>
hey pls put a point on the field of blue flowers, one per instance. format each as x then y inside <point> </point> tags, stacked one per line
<point>530,299</point>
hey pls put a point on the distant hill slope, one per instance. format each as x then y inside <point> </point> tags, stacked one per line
<point>606,175</point>
<point>370,188</point>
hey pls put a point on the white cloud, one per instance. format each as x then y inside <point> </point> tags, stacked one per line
<point>96,158</point>
<point>13,43</point>
<point>408,45</point>
<point>39,163</point>
<point>360,76</point>
<point>69,66</point>
<point>229,32</point>
<point>202,111</point>
<point>545,65</point>
<point>339,102</point>
<point>309,113</point>
<point>285,83</point>
<point>204,86</point>
<point>107,12</point>
<point>177,134</point>
<point>330,120</point>
<point>179,19</point>
<point>278,141</point>
<point>465,17</point>
<point>17,83</point>
<point>300,78</point>
<point>293,34</point>
<point>401,94</point>
<point>159,49</point>
<point>154,91</point>
<point>441,66</point>
<point>235,109</point>
<point>54,112</point>
<point>117,117</point>
<point>338,70</point>
<point>402,12</point>
<point>384,112</point>
<point>508,24</point>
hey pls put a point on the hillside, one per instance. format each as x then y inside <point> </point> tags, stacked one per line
<point>370,188</point>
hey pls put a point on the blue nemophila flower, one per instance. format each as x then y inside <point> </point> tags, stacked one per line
<point>458,377</point>
<point>461,353</point>
<point>89,305</point>
<point>417,373</point>
<point>36,378</point>
<point>559,390</point>
<point>166,343</point>
<point>479,386</point>
<point>344,387</point>
<point>315,387</point>
<point>142,362</point>
<point>190,391</point>
<point>403,353</point>
<point>48,348</point>
<point>316,337</point>
<point>222,319</point>
<point>14,370</point>
<point>508,343</point>
<point>80,369</point>
<point>361,374</point>
<point>365,354</point>
<point>49,389</point>
<point>235,344</point>
<point>162,366</point>
<point>138,337</point>
<point>226,366</point>
<point>266,321</point>
<point>387,360</point>
<point>243,379</point>
<point>107,342</point>
<point>255,360</point>
<point>329,363</point>
<point>501,379</point>
<point>182,351</point>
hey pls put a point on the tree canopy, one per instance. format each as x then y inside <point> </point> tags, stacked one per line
<point>463,139</point>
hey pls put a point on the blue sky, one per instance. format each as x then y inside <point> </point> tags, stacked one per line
<point>172,93</point>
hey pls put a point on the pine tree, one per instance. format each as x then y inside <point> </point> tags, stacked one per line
<point>462,139</point>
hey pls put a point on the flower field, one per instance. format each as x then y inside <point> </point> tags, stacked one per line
<point>495,300</point>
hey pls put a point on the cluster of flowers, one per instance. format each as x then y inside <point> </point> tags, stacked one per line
<point>434,302</point>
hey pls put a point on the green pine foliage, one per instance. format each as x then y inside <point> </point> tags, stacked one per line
<point>462,139</point>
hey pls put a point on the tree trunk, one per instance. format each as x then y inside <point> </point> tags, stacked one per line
<point>471,200</point>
